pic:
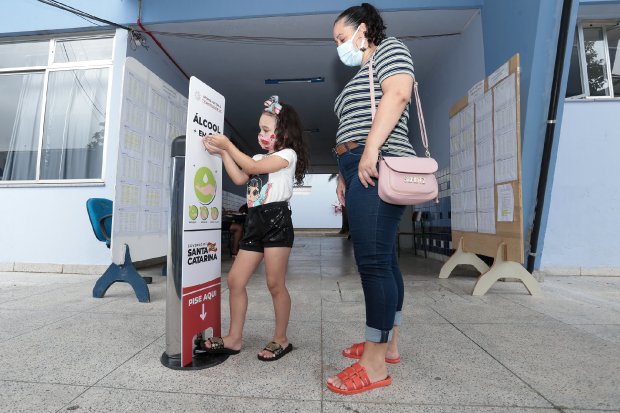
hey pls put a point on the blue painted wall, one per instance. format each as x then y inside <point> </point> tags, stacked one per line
<point>597,2</point>
<point>530,28</point>
<point>583,222</point>
<point>556,140</point>
<point>32,16</point>
<point>438,93</point>
<point>580,223</point>
<point>187,10</point>
<point>446,86</point>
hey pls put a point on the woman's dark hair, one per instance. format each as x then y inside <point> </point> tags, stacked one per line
<point>366,13</point>
<point>289,133</point>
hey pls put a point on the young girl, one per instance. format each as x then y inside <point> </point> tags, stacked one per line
<point>268,229</point>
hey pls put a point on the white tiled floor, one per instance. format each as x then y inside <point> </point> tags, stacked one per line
<point>63,350</point>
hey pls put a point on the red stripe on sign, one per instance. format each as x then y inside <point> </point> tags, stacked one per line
<point>198,287</point>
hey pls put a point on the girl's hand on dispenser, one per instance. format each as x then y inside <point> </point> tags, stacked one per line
<point>210,148</point>
<point>219,141</point>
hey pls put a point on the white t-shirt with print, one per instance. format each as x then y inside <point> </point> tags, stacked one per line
<point>276,186</point>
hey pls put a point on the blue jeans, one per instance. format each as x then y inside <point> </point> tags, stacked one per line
<point>373,225</point>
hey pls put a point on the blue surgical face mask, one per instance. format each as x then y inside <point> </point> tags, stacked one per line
<point>348,54</point>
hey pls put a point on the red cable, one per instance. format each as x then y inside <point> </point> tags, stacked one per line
<point>161,47</point>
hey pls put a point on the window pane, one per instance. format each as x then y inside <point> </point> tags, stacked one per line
<point>74,124</point>
<point>595,61</point>
<point>24,54</point>
<point>82,50</point>
<point>574,86</point>
<point>613,41</point>
<point>20,108</point>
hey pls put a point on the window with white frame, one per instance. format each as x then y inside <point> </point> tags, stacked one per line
<point>595,62</point>
<point>53,108</point>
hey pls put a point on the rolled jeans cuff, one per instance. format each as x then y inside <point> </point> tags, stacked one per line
<point>398,318</point>
<point>378,336</point>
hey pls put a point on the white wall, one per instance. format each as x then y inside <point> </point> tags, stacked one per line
<point>316,209</point>
<point>584,210</point>
<point>49,225</point>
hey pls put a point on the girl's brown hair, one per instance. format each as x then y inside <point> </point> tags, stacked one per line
<point>289,133</point>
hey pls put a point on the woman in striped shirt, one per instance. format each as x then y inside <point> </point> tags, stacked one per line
<point>359,33</point>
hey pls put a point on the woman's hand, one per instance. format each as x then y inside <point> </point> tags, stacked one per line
<point>340,190</point>
<point>219,141</point>
<point>368,166</point>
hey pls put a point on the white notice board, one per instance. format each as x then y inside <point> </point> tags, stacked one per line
<point>152,115</point>
<point>485,161</point>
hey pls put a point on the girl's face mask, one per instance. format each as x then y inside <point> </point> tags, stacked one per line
<point>267,142</point>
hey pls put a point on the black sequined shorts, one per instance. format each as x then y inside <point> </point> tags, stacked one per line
<point>268,225</point>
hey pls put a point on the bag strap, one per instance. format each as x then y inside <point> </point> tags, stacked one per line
<point>373,107</point>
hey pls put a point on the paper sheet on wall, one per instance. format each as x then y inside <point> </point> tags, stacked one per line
<point>456,186</point>
<point>130,168</point>
<point>463,169</point>
<point>500,73</point>
<point>476,92</point>
<point>470,221</point>
<point>131,142</point>
<point>485,174</point>
<point>486,199</point>
<point>505,130</point>
<point>486,222</point>
<point>153,222</point>
<point>126,221</point>
<point>134,115</point>
<point>159,103</point>
<point>469,201</point>
<point>505,203</point>
<point>136,89</point>
<point>157,126</point>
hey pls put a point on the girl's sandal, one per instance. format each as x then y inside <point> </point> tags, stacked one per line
<point>217,347</point>
<point>355,380</point>
<point>357,349</point>
<point>277,350</point>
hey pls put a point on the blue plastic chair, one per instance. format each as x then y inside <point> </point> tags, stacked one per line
<point>100,215</point>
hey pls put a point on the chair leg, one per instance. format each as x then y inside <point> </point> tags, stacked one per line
<point>123,273</point>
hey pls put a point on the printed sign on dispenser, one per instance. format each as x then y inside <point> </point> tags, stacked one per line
<point>201,279</point>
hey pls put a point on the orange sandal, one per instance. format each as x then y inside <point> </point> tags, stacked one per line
<point>355,379</point>
<point>356,351</point>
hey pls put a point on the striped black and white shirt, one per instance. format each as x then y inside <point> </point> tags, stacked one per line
<point>352,106</point>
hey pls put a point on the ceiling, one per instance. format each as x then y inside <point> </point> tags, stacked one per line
<point>238,69</point>
<point>598,11</point>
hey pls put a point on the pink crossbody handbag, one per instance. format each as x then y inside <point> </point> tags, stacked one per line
<point>406,180</point>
